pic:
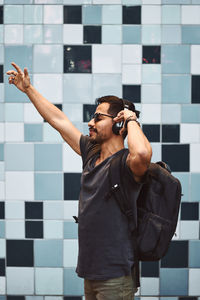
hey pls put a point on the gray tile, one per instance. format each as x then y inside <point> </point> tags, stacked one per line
<point>176,89</point>
<point>175,59</point>
<point>191,34</point>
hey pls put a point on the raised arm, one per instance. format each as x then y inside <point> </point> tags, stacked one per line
<point>54,116</point>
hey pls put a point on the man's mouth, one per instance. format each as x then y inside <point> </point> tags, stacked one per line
<point>92,131</point>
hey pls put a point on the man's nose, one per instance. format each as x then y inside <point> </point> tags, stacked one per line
<point>91,122</point>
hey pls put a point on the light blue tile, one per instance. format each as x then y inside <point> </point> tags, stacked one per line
<point>15,229</point>
<point>2,229</point>
<point>106,84</point>
<point>168,298</point>
<point>33,34</point>
<point>48,186</point>
<point>53,34</point>
<point>151,34</point>
<point>19,157</point>
<point>20,280</point>
<point>73,285</point>
<point>173,282</point>
<point>2,248</point>
<point>190,113</point>
<point>1,152</point>
<point>2,112</point>
<point>14,210</point>
<point>151,73</point>
<point>1,92</point>
<point>2,171</point>
<point>175,59</point>
<point>171,34</point>
<point>53,229</point>
<point>149,286</point>
<point>18,1</point>
<point>77,88</point>
<point>176,1</point>
<point>2,297</point>
<point>176,89</point>
<point>194,257</point>
<point>1,33</point>
<point>48,59</point>
<point>13,14</point>
<point>22,56</point>
<point>112,14</point>
<point>33,132</point>
<point>54,210</point>
<point>74,112</point>
<point>111,34</point>
<point>184,179</point>
<point>195,179</point>
<point>70,230</point>
<point>48,253</point>
<point>131,34</point>
<point>132,2</point>
<point>1,54</point>
<point>48,281</point>
<point>14,112</point>
<point>92,14</point>
<point>48,157</point>
<point>34,298</point>
<point>50,134</point>
<point>33,14</point>
<point>191,34</point>
<point>151,93</point>
<point>171,14</point>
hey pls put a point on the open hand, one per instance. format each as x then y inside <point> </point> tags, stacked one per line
<point>19,78</point>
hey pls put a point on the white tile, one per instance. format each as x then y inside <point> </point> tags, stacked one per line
<point>190,14</point>
<point>151,14</point>
<point>2,248</point>
<point>106,58</point>
<point>70,209</point>
<point>151,113</point>
<point>156,152</point>
<point>2,190</point>
<point>195,59</point>
<point>131,74</point>
<point>77,2</point>
<point>106,84</point>
<point>194,286</point>
<point>13,34</point>
<point>151,1</point>
<point>50,134</point>
<point>53,210</point>
<point>19,185</point>
<point>151,73</point>
<point>50,86</point>
<point>2,129</point>
<point>53,229</point>
<point>72,162</point>
<point>106,1</point>
<point>149,286</point>
<point>132,54</point>
<point>189,133</point>
<point>2,285</point>
<point>15,229</point>
<point>73,34</point>
<point>70,257</point>
<point>189,230</point>
<point>14,132</point>
<point>194,162</point>
<point>53,14</point>
<point>14,210</point>
<point>151,93</point>
<point>73,111</point>
<point>20,281</point>
<point>31,115</point>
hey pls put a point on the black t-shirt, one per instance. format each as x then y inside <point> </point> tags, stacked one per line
<point>105,245</point>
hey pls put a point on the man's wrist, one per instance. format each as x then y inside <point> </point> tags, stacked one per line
<point>129,120</point>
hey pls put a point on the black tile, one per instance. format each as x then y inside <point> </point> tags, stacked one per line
<point>19,253</point>
<point>177,255</point>
<point>72,14</point>
<point>150,269</point>
<point>33,210</point>
<point>72,298</point>
<point>92,35</point>
<point>77,59</point>
<point>1,73</point>
<point>170,133</point>
<point>131,14</point>
<point>177,157</point>
<point>132,93</point>
<point>190,211</point>
<point>188,298</point>
<point>2,210</point>
<point>195,89</point>
<point>152,132</point>
<point>1,14</point>
<point>2,267</point>
<point>72,186</point>
<point>34,229</point>
<point>88,111</point>
<point>15,297</point>
<point>58,106</point>
<point>151,54</point>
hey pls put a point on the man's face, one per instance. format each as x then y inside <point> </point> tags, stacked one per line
<point>100,127</point>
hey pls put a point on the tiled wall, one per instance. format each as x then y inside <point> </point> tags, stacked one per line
<point>147,51</point>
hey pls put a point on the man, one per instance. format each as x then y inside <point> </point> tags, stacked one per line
<point>105,258</point>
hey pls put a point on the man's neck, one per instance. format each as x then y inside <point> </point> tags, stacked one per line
<point>110,147</point>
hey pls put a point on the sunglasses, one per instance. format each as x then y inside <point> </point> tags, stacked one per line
<point>97,116</point>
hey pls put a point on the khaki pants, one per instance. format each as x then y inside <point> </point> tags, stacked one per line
<point>121,288</point>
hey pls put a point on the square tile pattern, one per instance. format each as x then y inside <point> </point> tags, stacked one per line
<point>146,51</point>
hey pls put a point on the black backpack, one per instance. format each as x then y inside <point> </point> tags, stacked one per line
<point>157,207</point>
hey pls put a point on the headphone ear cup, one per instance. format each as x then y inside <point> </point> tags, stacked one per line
<point>117,127</point>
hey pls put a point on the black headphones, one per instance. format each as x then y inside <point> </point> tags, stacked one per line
<point>119,125</point>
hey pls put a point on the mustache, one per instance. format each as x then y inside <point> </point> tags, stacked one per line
<point>92,128</point>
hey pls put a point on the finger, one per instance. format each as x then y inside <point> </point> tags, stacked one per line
<point>17,67</point>
<point>26,72</point>
<point>11,72</point>
<point>11,80</point>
